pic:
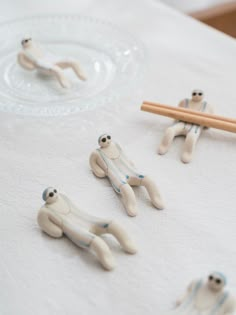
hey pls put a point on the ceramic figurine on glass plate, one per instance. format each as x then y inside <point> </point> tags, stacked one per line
<point>33,56</point>
<point>206,297</point>
<point>190,131</point>
<point>60,216</point>
<point>110,161</point>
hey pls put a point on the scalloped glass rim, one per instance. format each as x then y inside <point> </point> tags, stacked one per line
<point>112,59</point>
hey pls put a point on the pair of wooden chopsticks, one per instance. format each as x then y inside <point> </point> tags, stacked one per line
<point>191,116</point>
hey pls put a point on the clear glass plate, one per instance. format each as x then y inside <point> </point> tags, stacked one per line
<point>112,61</point>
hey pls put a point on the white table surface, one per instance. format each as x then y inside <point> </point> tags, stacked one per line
<point>194,235</point>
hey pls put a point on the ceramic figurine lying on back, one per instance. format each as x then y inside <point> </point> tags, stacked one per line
<point>109,160</point>
<point>60,216</point>
<point>206,297</point>
<point>33,57</point>
<point>191,131</point>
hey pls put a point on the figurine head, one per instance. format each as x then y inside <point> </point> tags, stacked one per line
<point>50,195</point>
<point>26,42</point>
<point>104,140</point>
<point>197,95</point>
<point>216,281</point>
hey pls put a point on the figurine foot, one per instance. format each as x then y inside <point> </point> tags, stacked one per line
<point>158,203</point>
<point>153,192</point>
<point>186,157</point>
<point>103,253</point>
<point>130,247</point>
<point>122,237</point>
<point>167,140</point>
<point>78,72</point>
<point>129,200</point>
<point>82,77</point>
<point>162,149</point>
<point>107,262</point>
<point>65,83</point>
<point>132,212</point>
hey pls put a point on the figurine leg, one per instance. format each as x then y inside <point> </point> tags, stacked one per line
<point>122,237</point>
<point>129,199</point>
<point>169,136</point>
<point>103,253</point>
<point>83,238</point>
<point>75,66</point>
<point>189,146</point>
<point>153,192</point>
<point>65,83</point>
<point>119,233</point>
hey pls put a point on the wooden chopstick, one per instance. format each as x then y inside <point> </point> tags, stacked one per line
<point>191,116</point>
<point>187,110</point>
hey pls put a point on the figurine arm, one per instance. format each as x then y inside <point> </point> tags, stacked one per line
<point>182,103</point>
<point>97,170</point>
<point>185,295</point>
<point>230,306</point>
<point>48,226</point>
<point>24,62</point>
<point>210,109</point>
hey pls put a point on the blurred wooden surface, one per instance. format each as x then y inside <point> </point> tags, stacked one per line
<point>221,17</point>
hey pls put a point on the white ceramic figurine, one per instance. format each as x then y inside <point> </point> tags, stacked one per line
<point>190,131</point>
<point>32,56</point>
<point>60,216</point>
<point>206,297</point>
<point>109,160</point>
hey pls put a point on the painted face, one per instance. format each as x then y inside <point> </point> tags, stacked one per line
<point>104,141</point>
<point>50,195</point>
<point>216,281</point>
<point>197,95</point>
<point>26,42</point>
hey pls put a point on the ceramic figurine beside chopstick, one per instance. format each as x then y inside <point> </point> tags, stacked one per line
<point>190,131</point>
<point>206,297</point>
<point>59,216</point>
<point>110,161</point>
<point>33,56</point>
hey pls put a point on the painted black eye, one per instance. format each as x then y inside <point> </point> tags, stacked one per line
<point>104,139</point>
<point>200,94</point>
<point>109,137</point>
<point>210,278</point>
<point>55,191</point>
<point>51,194</point>
<point>218,281</point>
<point>194,94</point>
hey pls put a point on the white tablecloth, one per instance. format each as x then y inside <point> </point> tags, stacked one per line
<point>195,234</point>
